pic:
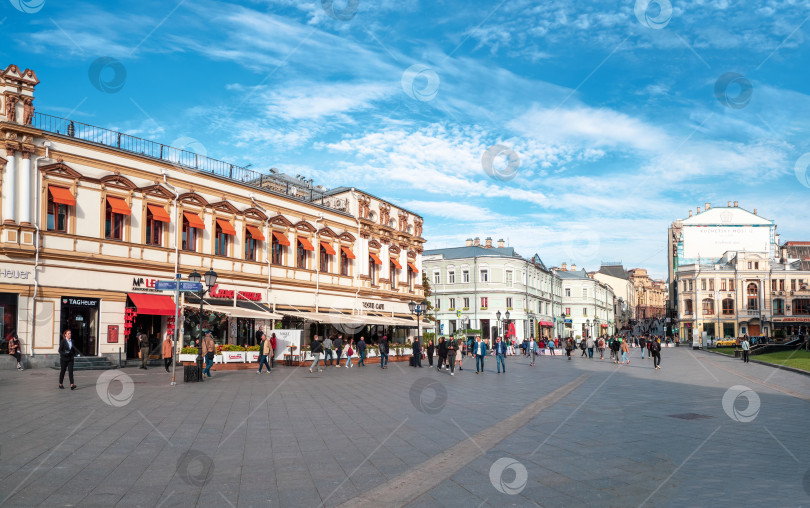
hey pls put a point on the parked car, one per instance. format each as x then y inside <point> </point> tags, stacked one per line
<point>728,341</point>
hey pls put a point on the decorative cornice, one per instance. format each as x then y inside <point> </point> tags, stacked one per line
<point>118,182</point>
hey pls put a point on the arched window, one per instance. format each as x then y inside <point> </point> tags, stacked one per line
<point>708,307</point>
<point>728,306</point>
<point>753,300</point>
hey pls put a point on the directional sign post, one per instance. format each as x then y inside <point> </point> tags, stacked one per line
<point>170,285</point>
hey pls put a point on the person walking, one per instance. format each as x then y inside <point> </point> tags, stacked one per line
<point>361,352</point>
<point>383,353</point>
<point>143,347</point>
<point>480,351</point>
<point>273,351</point>
<point>316,348</point>
<point>15,350</point>
<point>452,348</point>
<point>601,346</point>
<point>745,348</point>
<point>442,353</point>
<point>582,347</point>
<point>167,351</point>
<point>642,343</point>
<point>417,353</point>
<point>66,354</point>
<point>617,345</point>
<point>500,354</point>
<point>327,351</point>
<point>338,345</point>
<point>550,344</point>
<point>589,344</point>
<point>259,336</point>
<point>349,352</point>
<point>461,353</point>
<point>625,349</point>
<point>430,350</point>
<point>655,351</point>
<point>532,351</point>
<point>209,350</point>
<point>569,346</point>
<point>265,350</point>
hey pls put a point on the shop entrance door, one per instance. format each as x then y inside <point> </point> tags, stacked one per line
<point>246,331</point>
<point>82,323</point>
<point>149,325</point>
<point>753,330</point>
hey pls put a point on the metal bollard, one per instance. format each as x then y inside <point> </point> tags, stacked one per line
<point>119,357</point>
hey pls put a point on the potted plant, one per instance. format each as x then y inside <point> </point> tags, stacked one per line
<point>187,354</point>
<point>253,353</point>
<point>231,353</point>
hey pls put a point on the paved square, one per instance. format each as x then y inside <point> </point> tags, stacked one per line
<point>564,433</point>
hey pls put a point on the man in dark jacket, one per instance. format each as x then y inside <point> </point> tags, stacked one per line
<point>452,349</point>
<point>417,353</point>
<point>316,348</point>
<point>442,349</point>
<point>338,345</point>
<point>642,343</point>
<point>383,352</point>
<point>361,351</point>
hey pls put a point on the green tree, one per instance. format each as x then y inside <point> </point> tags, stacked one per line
<point>428,316</point>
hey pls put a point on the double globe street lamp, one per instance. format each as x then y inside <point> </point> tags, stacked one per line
<point>498,317</point>
<point>210,281</point>
<point>418,309</point>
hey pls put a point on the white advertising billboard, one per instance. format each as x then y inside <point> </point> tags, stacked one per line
<point>714,241</point>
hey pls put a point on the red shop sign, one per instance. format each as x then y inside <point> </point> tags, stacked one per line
<point>240,295</point>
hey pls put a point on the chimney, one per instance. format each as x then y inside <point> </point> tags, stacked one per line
<point>477,242</point>
<point>564,267</point>
<point>469,242</point>
<point>729,204</point>
<point>755,211</point>
<point>690,213</point>
<point>698,210</point>
<point>573,268</point>
<point>735,204</point>
<point>708,205</point>
<point>489,242</point>
<point>500,243</point>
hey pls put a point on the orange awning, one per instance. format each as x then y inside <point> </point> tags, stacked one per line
<point>194,220</point>
<point>377,261</point>
<point>306,244</point>
<point>227,227</point>
<point>281,238</point>
<point>348,251</point>
<point>255,232</point>
<point>159,213</point>
<point>396,263</point>
<point>118,205</point>
<point>412,267</point>
<point>61,195</point>
<point>328,248</point>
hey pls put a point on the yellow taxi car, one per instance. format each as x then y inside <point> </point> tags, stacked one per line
<point>728,341</point>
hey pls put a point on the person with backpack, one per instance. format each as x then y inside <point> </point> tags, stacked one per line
<point>655,351</point>
<point>582,343</point>
<point>316,348</point>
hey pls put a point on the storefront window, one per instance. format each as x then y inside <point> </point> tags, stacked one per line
<point>209,321</point>
<point>80,316</point>
<point>8,311</point>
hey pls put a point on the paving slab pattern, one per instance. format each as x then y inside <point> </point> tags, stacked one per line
<point>291,438</point>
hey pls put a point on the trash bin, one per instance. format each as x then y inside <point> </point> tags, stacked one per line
<point>191,373</point>
<point>737,353</point>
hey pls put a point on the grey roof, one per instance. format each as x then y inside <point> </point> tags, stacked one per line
<point>617,271</point>
<point>536,259</point>
<point>470,252</point>
<point>567,274</point>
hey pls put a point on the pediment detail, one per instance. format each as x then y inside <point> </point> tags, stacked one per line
<point>305,226</point>
<point>60,169</point>
<point>280,220</point>
<point>192,198</point>
<point>347,237</point>
<point>156,191</point>
<point>119,182</point>
<point>255,213</point>
<point>225,207</point>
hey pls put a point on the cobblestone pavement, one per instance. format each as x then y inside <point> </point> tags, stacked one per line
<point>704,430</point>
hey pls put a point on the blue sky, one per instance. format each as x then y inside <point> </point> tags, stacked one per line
<point>609,120</point>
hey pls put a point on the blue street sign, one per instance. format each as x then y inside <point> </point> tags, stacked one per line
<point>170,285</point>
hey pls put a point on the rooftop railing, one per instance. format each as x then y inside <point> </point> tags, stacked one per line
<point>184,158</point>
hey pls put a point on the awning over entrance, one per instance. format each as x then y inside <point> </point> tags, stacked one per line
<point>545,323</point>
<point>243,308</point>
<point>155,305</point>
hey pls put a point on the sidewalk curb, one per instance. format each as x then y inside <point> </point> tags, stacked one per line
<point>774,365</point>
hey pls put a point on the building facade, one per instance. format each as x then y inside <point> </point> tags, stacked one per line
<point>92,219</point>
<point>472,284</point>
<point>615,276</point>
<point>588,304</point>
<point>651,295</point>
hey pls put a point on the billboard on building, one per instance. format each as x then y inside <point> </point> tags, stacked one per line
<point>714,241</point>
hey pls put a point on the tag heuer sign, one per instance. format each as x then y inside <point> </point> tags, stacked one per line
<point>80,302</point>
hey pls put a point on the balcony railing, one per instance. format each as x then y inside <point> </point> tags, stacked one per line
<point>176,156</point>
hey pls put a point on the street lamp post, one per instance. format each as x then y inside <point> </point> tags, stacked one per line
<point>498,317</point>
<point>418,309</point>
<point>210,281</point>
<point>562,325</point>
<point>587,328</point>
<point>505,323</point>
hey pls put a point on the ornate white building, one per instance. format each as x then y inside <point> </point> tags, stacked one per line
<point>588,304</point>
